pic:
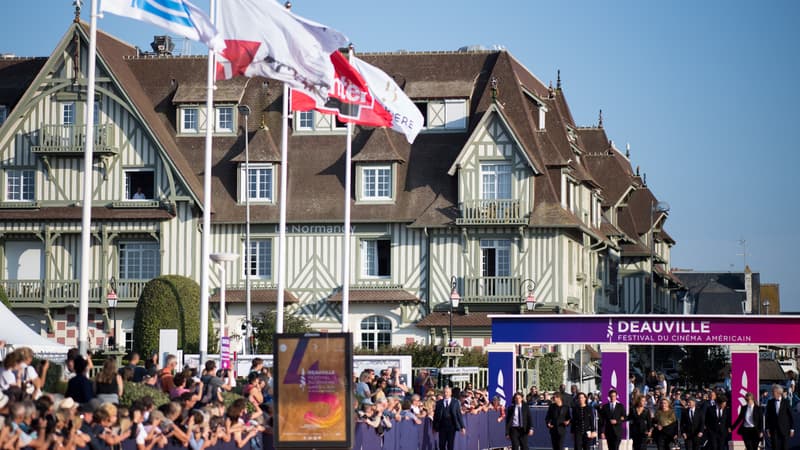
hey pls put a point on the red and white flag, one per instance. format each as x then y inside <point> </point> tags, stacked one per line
<point>262,38</point>
<point>350,98</point>
<point>406,117</point>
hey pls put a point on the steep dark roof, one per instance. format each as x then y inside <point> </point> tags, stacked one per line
<point>719,292</point>
<point>16,74</point>
<point>74,213</point>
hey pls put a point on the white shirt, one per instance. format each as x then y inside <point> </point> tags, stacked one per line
<point>141,434</point>
<point>748,417</point>
<point>7,379</point>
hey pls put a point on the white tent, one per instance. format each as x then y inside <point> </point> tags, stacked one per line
<point>16,334</point>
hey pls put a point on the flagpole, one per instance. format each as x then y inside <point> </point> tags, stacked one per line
<point>86,216</point>
<point>282,219</point>
<point>205,252</point>
<point>346,254</point>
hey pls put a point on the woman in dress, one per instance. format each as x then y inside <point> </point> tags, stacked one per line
<point>665,425</point>
<point>641,423</point>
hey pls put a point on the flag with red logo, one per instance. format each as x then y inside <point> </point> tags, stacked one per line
<point>262,38</point>
<point>350,98</point>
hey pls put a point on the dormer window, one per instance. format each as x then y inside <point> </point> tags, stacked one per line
<point>376,182</point>
<point>258,184</point>
<point>305,120</point>
<point>224,122</point>
<point>314,121</point>
<point>450,114</point>
<point>3,113</point>
<point>189,120</point>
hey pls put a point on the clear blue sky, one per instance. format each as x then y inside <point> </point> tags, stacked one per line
<point>707,93</point>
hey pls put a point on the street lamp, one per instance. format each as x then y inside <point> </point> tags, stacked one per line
<point>530,300</point>
<point>766,307</point>
<point>244,110</point>
<point>220,259</point>
<point>112,300</point>
<point>454,300</point>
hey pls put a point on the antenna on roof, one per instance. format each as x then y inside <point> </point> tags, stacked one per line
<point>493,84</point>
<point>637,171</point>
<point>600,119</point>
<point>77,4</point>
<point>628,150</point>
<point>644,179</point>
<point>558,80</point>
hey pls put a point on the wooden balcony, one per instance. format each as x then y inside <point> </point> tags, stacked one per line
<point>492,290</point>
<point>64,293</point>
<point>70,140</point>
<point>490,212</point>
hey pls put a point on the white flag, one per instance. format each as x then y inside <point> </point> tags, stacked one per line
<point>406,117</point>
<point>262,38</point>
<point>176,16</point>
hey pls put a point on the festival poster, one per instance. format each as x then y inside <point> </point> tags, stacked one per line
<point>313,373</point>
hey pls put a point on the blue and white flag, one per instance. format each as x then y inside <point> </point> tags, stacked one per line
<point>176,16</point>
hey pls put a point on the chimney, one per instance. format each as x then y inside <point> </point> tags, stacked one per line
<point>162,45</point>
<point>748,289</point>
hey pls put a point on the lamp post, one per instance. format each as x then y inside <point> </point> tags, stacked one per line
<point>655,207</point>
<point>454,300</point>
<point>220,259</point>
<point>244,110</point>
<point>530,300</point>
<point>112,300</point>
<point>766,307</point>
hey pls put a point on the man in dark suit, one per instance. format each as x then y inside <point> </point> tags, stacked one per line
<point>612,415</point>
<point>718,424</point>
<point>693,423</point>
<point>557,420</point>
<point>519,423</point>
<point>780,424</point>
<point>447,420</point>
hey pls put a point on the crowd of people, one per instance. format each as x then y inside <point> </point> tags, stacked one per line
<point>90,413</point>
<point>656,415</point>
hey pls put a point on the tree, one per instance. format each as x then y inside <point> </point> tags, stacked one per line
<point>264,328</point>
<point>702,365</point>
<point>169,301</point>
<point>551,372</point>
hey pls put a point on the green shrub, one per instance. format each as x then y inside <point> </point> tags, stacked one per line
<point>134,391</point>
<point>4,297</point>
<point>551,371</point>
<point>264,328</point>
<point>169,302</point>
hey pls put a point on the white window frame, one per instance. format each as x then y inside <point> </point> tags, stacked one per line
<point>68,113</point>
<point>218,119</point>
<point>144,249</point>
<point>374,326</point>
<point>3,113</point>
<point>502,248</point>
<point>244,183</point>
<point>302,118</point>
<point>184,111</point>
<point>25,182</point>
<point>371,181</point>
<point>370,265</point>
<point>493,169</point>
<point>261,265</point>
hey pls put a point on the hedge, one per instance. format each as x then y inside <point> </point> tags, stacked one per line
<point>169,302</point>
<point>4,297</point>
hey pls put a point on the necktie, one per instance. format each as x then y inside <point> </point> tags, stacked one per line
<point>719,413</point>
<point>691,414</point>
<point>446,402</point>
<point>519,416</point>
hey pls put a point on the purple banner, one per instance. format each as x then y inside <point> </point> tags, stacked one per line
<point>224,353</point>
<point>744,379</point>
<point>646,329</point>
<point>502,370</point>
<point>615,376</point>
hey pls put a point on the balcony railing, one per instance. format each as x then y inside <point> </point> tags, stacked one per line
<point>492,290</point>
<point>55,293</point>
<point>71,139</point>
<point>490,212</point>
